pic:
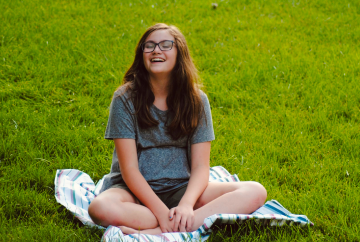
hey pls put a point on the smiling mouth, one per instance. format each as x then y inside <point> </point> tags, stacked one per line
<point>157,60</point>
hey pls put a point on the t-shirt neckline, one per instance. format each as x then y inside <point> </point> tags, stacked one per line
<point>157,109</point>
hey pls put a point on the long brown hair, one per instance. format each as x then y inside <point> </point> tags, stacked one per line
<point>184,102</point>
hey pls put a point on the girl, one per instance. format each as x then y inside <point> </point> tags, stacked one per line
<point>161,125</point>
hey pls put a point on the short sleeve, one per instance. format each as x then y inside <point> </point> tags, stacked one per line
<point>204,131</point>
<point>121,123</point>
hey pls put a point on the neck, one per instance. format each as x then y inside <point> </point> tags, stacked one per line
<point>160,86</point>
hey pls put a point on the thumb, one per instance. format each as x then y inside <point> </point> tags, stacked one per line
<point>171,213</point>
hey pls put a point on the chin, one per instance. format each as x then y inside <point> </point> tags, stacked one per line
<point>159,71</point>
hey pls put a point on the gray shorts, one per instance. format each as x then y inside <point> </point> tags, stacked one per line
<point>170,199</point>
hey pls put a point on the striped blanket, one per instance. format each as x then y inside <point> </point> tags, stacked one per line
<point>75,190</point>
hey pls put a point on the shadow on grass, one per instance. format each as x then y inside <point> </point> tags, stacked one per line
<point>250,230</point>
<point>69,217</point>
<point>76,224</point>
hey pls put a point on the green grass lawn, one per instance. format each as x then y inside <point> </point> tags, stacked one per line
<point>282,77</point>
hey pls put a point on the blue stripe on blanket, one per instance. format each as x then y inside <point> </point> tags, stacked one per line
<point>276,210</point>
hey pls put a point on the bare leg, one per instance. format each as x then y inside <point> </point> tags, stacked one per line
<point>231,198</point>
<point>118,207</point>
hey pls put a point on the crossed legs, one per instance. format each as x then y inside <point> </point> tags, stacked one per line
<point>118,207</point>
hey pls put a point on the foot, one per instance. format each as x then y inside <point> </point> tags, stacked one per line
<point>127,230</point>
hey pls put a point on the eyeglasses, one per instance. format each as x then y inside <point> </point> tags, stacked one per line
<point>164,45</point>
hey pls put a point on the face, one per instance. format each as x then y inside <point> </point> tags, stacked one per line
<point>160,62</point>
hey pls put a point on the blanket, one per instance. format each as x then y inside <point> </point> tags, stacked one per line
<point>75,190</point>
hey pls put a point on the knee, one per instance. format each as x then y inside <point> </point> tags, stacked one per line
<point>262,193</point>
<point>95,210</point>
<point>258,193</point>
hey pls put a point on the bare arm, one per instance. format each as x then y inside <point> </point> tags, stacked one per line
<point>129,166</point>
<point>199,178</point>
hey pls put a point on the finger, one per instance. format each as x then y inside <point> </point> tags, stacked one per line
<point>167,230</point>
<point>190,224</point>
<point>171,213</point>
<point>183,225</point>
<point>171,224</point>
<point>177,222</point>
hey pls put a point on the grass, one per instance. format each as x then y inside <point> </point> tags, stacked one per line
<point>282,78</point>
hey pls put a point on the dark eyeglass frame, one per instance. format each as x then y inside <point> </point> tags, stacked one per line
<point>156,44</point>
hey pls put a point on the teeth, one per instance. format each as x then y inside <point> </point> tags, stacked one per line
<point>157,59</point>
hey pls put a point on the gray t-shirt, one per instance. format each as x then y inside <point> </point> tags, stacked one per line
<point>163,161</point>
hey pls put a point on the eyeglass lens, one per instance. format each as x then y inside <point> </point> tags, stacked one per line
<point>163,45</point>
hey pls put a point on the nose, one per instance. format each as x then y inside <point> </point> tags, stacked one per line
<point>157,48</point>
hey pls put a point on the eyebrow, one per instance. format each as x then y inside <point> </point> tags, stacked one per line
<point>159,41</point>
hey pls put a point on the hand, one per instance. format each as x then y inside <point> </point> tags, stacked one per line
<point>183,215</point>
<point>166,225</point>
